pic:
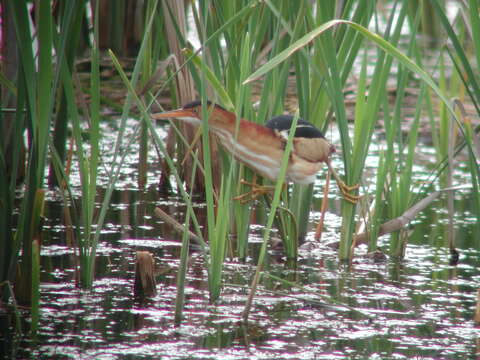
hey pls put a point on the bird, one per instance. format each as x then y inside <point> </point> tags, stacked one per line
<point>261,147</point>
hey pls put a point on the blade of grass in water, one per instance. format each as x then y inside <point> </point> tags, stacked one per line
<point>216,235</point>
<point>182,269</point>
<point>39,203</point>
<point>88,165</point>
<point>241,212</point>
<point>146,74</point>
<point>271,217</point>
<point>36,87</point>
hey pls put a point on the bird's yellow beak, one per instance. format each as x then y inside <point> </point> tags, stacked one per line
<point>185,115</point>
<point>179,113</point>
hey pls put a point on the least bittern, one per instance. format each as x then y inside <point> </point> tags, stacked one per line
<point>261,147</point>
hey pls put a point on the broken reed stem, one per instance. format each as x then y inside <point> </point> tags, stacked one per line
<point>145,285</point>
<point>401,221</point>
<point>176,225</point>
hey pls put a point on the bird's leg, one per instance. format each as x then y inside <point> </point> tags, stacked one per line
<point>344,188</point>
<point>256,191</point>
<point>323,208</point>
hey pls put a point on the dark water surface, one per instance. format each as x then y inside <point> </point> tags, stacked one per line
<point>420,307</point>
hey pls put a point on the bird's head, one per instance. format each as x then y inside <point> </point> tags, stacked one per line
<point>310,141</point>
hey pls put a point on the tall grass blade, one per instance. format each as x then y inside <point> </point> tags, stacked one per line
<point>182,269</point>
<point>36,86</point>
<point>212,79</point>
<point>271,217</point>
<point>66,47</point>
<point>36,231</point>
<point>35,307</point>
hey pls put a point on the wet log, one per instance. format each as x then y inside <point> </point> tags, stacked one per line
<point>403,220</point>
<point>176,225</point>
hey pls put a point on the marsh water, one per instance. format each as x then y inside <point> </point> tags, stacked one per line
<point>420,307</point>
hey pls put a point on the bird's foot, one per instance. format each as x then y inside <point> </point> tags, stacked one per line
<point>344,188</point>
<point>255,192</point>
<point>346,191</point>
